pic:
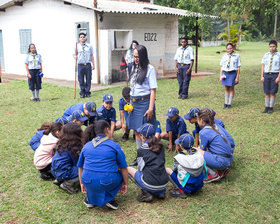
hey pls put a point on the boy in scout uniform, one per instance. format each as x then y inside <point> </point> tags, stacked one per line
<point>184,59</point>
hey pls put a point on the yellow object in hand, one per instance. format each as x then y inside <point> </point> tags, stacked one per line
<point>128,107</point>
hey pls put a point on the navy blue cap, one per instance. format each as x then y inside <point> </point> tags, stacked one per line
<point>62,120</point>
<point>172,111</point>
<point>212,111</point>
<point>146,130</point>
<point>78,114</point>
<point>192,113</point>
<point>91,108</point>
<point>185,140</point>
<point>108,98</point>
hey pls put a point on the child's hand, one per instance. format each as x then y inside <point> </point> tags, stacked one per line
<point>262,79</point>
<point>123,189</point>
<point>277,80</point>
<point>123,127</point>
<point>29,76</point>
<point>170,148</point>
<point>177,148</point>
<point>83,189</point>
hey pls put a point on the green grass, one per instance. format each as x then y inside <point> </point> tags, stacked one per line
<point>249,194</point>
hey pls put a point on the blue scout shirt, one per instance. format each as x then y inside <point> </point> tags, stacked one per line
<point>158,127</point>
<point>79,106</point>
<point>33,61</point>
<point>214,142</point>
<point>217,122</point>
<point>184,55</point>
<point>149,83</point>
<point>122,103</point>
<point>64,166</point>
<point>271,62</point>
<point>36,140</point>
<point>129,56</point>
<point>230,62</point>
<point>177,127</point>
<point>105,157</point>
<point>85,51</point>
<point>107,115</point>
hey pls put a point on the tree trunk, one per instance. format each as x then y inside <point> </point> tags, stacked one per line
<point>275,26</point>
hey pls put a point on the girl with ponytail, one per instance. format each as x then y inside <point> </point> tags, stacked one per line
<point>216,146</point>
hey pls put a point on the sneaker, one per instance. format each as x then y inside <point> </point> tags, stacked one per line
<point>229,106</point>
<point>213,178</point>
<point>134,163</point>
<point>133,136</point>
<point>88,204</point>
<point>112,204</point>
<point>125,136</point>
<point>69,187</point>
<point>184,97</point>
<point>38,99</point>
<point>47,176</point>
<point>145,196</point>
<point>82,96</point>
<point>179,97</point>
<point>88,95</point>
<point>178,193</point>
<point>57,182</point>
<point>270,110</point>
<point>225,106</point>
<point>223,173</point>
<point>160,196</point>
<point>34,100</point>
<point>266,110</point>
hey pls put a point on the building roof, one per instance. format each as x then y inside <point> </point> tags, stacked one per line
<point>120,7</point>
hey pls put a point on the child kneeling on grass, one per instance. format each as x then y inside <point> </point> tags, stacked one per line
<point>64,163</point>
<point>151,176</point>
<point>187,174</point>
<point>35,141</point>
<point>44,153</point>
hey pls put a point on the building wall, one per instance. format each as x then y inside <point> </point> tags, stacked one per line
<point>53,27</point>
<point>159,33</point>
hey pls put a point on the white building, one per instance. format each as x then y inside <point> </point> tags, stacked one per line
<point>53,26</point>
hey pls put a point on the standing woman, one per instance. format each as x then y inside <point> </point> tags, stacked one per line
<point>229,74</point>
<point>33,65</point>
<point>129,55</point>
<point>143,84</point>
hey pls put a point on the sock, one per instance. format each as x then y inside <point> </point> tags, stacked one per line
<point>33,94</point>
<point>37,93</point>
<point>272,101</point>
<point>138,144</point>
<point>230,100</point>
<point>226,99</point>
<point>267,101</point>
<point>210,171</point>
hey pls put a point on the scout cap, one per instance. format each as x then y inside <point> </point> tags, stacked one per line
<point>78,114</point>
<point>108,98</point>
<point>91,108</point>
<point>186,140</point>
<point>147,130</point>
<point>192,113</point>
<point>62,120</point>
<point>172,111</point>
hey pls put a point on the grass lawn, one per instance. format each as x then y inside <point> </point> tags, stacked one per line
<point>249,194</point>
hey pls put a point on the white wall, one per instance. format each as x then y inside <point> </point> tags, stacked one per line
<point>53,32</point>
<point>162,51</point>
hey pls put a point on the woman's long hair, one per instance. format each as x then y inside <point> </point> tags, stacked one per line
<point>45,125</point>
<point>56,126</point>
<point>70,139</point>
<point>89,134</point>
<point>207,116</point>
<point>100,126</point>
<point>155,145</point>
<point>30,50</point>
<point>143,64</point>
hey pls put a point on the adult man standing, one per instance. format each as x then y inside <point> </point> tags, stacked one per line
<point>85,60</point>
<point>184,59</point>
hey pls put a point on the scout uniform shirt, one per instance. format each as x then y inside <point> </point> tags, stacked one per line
<point>107,115</point>
<point>177,127</point>
<point>230,62</point>
<point>33,61</point>
<point>84,52</point>
<point>184,55</point>
<point>271,62</point>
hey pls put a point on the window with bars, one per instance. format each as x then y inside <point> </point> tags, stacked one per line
<point>25,38</point>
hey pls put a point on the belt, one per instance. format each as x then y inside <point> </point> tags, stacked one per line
<point>134,100</point>
<point>272,73</point>
<point>183,64</point>
<point>84,64</point>
<point>230,71</point>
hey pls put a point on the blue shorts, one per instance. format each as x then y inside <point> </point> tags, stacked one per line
<point>230,78</point>
<point>138,179</point>
<point>35,81</point>
<point>136,117</point>
<point>194,184</point>
<point>216,161</point>
<point>269,84</point>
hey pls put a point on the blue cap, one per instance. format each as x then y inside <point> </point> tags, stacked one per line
<point>192,113</point>
<point>212,111</point>
<point>172,111</point>
<point>108,98</point>
<point>91,108</point>
<point>147,130</point>
<point>62,120</point>
<point>78,114</point>
<point>186,140</point>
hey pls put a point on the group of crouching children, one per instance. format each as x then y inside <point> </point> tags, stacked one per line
<point>91,161</point>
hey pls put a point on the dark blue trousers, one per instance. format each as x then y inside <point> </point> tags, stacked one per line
<point>183,79</point>
<point>84,78</point>
<point>36,80</point>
